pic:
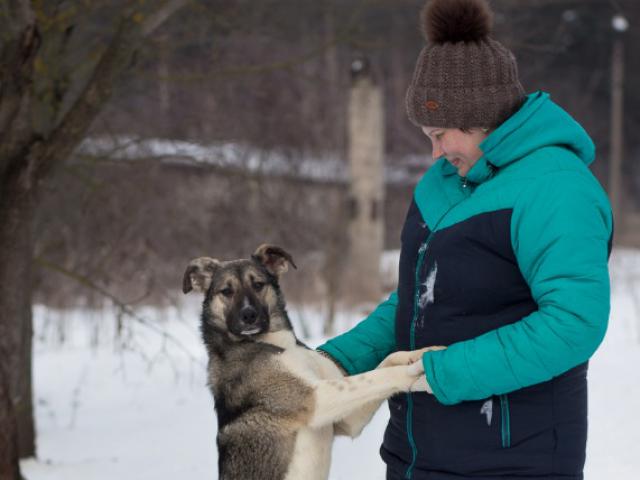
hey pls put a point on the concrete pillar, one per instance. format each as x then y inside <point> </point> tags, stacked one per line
<point>365,204</point>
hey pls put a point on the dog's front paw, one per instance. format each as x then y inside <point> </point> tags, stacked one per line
<point>407,357</point>
<point>401,377</point>
<point>396,359</point>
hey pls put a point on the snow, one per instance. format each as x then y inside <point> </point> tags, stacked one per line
<point>318,167</point>
<point>428,296</point>
<point>136,407</point>
<point>225,155</point>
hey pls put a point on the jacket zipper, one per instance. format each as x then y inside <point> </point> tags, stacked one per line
<point>506,421</point>
<point>465,186</point>
<point>412,338</point>
<point>412,342</point>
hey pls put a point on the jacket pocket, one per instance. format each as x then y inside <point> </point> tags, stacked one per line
<point>505,421</point>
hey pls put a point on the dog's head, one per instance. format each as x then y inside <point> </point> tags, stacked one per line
<point>242,297</point>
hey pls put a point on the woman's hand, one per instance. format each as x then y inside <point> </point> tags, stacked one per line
<point>421,384</point>
<point>413,360</point>
<point>407,358</point>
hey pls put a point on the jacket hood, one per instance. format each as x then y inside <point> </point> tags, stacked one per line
<point>539,123</point>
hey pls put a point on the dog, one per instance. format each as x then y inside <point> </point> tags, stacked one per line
<point>278,402</point>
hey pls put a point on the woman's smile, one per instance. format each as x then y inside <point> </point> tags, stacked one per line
<point>459,147</point>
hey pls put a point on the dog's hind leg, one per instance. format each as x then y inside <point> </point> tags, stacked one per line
<point>334,400</point>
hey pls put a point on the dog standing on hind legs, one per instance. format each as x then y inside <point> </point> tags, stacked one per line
<point>279,403</point>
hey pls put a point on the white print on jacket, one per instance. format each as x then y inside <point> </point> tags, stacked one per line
<point>429,284</point>
<point>487,409</point>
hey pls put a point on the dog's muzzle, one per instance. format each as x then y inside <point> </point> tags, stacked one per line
<point>249,320</point>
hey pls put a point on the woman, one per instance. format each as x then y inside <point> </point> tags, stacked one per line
<point>503,260</point>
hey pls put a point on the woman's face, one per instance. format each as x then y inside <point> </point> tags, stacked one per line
<point>458,147</point>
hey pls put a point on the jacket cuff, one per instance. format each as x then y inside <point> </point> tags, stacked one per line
<point>432,380</point>
<point>337,357</point>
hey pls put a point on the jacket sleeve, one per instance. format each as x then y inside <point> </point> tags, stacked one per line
<point>560,232</point>
<point>364,346</point>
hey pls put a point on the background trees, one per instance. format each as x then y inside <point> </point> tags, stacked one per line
<point>55,78</point>
<point>260,79</point>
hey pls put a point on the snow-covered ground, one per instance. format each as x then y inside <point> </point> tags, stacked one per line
<point>135,406</point>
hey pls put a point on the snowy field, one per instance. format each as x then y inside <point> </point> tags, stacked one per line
<point>135,406</point>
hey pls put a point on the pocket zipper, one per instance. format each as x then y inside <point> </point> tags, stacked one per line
<point>506,421</point>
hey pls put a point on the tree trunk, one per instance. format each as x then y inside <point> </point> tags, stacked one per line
<point>9,467</point>
<point>27,157</point>
<point>16,331</point>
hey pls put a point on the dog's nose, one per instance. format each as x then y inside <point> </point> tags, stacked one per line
<point>248,315</point>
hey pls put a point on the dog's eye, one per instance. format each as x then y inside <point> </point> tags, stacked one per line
<point>257,286</point>
<point>227,292</point>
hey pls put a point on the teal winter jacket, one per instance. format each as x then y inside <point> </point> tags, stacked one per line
<point>507,268</point>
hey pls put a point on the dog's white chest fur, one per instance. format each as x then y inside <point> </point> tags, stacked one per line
<point>338,405</point>
<point>312,452</point>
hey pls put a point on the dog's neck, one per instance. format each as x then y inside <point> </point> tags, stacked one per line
<point>282,338</point>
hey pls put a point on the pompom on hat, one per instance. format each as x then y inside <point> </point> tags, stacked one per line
<point>463,78</point>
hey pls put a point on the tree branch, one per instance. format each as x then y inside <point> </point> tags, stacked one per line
<point>161,15</point>
<point>122,306</point>
<point>20,13</point>
<point>21,43</point>
<point>117,57</point>
<point>244,70</point>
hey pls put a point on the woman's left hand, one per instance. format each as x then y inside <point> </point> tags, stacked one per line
<point>417,368</point>
<point>407,357</point>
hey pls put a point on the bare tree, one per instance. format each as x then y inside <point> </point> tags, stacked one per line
<point>44,114</point>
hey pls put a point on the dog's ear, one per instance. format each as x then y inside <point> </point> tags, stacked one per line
<point>275,259</point>
<point>198,274</point>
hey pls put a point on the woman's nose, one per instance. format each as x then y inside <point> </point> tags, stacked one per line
<point>436,152</point>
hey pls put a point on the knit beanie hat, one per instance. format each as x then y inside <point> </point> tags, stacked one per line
<point>463,77</point>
